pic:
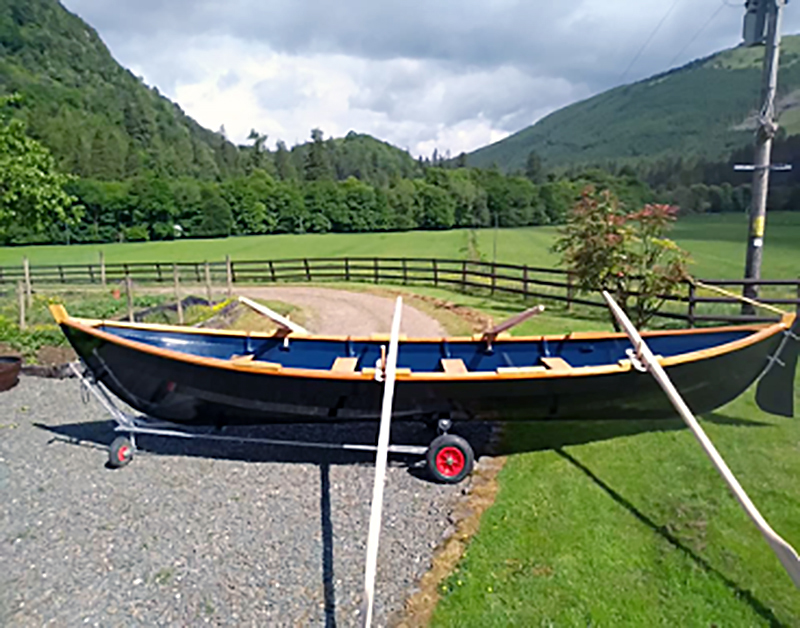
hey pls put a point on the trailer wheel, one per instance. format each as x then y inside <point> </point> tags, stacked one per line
<point>120,452</point>
<point>449,458</point>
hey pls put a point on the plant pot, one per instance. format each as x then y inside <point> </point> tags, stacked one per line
<point>10,366</point>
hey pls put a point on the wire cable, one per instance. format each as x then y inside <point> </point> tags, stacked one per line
<point>697,34</point>
<point>648,40</point>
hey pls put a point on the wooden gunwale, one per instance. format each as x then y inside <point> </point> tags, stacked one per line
<point>88,326</point>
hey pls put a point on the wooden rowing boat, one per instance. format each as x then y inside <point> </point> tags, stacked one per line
<point>211,377</point>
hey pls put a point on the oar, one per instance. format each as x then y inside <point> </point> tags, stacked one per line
<point>785,552</point>
<point>380,467</point>
<point>274,316</point>
<point>491,335</point>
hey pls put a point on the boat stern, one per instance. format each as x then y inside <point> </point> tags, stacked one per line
<point>775,391</point>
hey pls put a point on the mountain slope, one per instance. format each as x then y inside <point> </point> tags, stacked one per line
<point>703,109</point>
<point>96,117</point>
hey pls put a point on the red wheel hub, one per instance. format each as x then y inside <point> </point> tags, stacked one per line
<point>450,461</point>
<point>123,453</point>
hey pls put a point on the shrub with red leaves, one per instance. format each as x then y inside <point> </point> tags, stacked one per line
<point>626,253</point>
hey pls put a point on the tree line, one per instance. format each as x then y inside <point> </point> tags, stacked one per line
<point>150,207</point>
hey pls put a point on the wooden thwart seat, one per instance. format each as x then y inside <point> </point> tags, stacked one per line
<point>454,366</point>
<point>248,360</point>
<point>344,365</point>
<point>556,364</point>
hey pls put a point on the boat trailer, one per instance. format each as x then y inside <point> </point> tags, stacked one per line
<point>129,425</point>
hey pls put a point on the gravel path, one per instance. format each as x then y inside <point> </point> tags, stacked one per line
<point>193,533</point>
<point>343,312</point>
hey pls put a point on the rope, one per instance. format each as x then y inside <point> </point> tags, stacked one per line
<point>739,297</point>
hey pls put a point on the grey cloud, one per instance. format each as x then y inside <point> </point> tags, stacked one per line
<point>517,60</point>
<point>546,38</point>
<point>444,93</point>
<point>283,92</point>
<point>228,80</point>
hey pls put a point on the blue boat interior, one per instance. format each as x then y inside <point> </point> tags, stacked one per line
<point>320,354</point>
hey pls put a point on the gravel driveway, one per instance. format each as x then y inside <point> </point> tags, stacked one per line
<point>342,312</point>
<point>192,533</point>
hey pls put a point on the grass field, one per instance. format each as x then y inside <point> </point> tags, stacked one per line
<point>716,242</point>
<point>620,524</point>
<point>627,523</point>
<point>603,524</point>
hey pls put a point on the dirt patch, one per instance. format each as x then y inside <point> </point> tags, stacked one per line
<point>340,312</point>
<point>54,356</point>
<point>467,518</point>
<point>8,350</point>
<point>458,319</point>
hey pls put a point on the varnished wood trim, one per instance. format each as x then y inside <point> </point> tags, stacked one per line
<point>406,374</point>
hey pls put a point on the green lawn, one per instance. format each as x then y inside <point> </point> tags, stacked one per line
<point>621,524</point>
<point>716,242</point>
<point>628,524</point>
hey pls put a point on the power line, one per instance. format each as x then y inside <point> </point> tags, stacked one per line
<point>649,39</point>
<point>698,33</point>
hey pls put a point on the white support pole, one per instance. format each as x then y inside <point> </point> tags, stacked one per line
<point>381,459</point>
<point>271,314</point>
<point>785,552</point>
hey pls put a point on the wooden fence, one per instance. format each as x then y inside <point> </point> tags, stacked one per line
<point>495,279</point>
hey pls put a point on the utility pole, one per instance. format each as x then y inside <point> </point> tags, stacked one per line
<point>770,11</point>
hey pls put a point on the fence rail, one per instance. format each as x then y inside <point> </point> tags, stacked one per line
<point>495,279</point>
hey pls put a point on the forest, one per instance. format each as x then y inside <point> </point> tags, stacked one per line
<point>135,167</point>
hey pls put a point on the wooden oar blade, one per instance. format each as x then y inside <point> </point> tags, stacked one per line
<point>785,552</point>
<point>789,559</point>
<point>775,391</point>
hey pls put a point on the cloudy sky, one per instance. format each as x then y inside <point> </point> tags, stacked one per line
<point>422,74</point>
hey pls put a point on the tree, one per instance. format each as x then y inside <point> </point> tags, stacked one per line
<point>317,166</point>
<point>257,154</point>
<point>283,163</point>
<point>625,253</point>
<point>216,219</point>
<point>533,168</point>
<point>32,192</point>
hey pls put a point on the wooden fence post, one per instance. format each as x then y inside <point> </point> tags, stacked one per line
<point>229,275</point>
<point>376,270</point>
<point>158,272</point>
<point>308,269</point>
<point>494,276</point>
<point>103,270</point>
<point>28,288</point>
<point>463,275</point>
<point>23,321</point>
<point>176,281</point>
<point>347,269</point>
<point>61,273</point>
<point>129,295</point>
<point>692,304</point>
<point>272,271</point>
<point>208,283</point>
<point>91,272</point>
<point>525,281</point>
<point>405,272</point>
<point>798,296</point>
<point>435,274</point>
<point>570,291</point>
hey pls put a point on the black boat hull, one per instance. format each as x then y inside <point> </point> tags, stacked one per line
<point>203,393</point>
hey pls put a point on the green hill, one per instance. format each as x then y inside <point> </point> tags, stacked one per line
<point>102,122</point>
<point>703,109</point>
<point>96,117</point>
